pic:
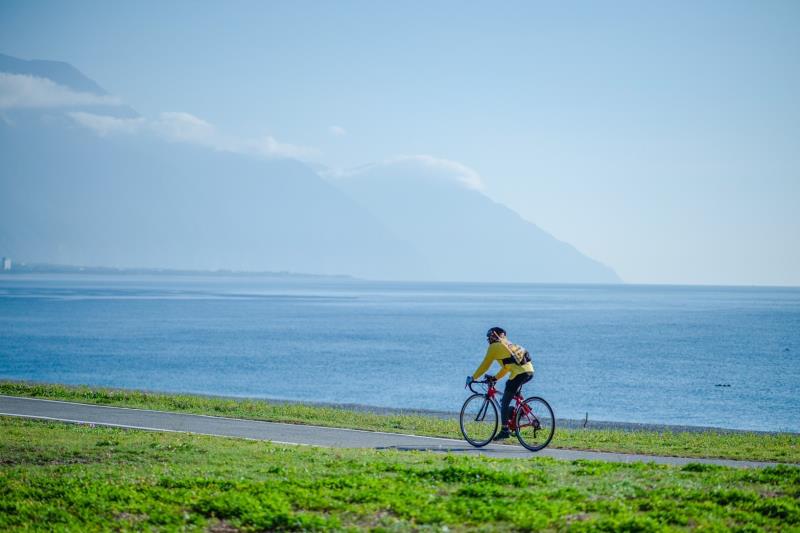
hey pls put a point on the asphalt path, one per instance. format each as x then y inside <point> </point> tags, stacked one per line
<point>297,434</point>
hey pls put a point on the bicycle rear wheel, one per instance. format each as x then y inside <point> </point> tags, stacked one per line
<point>478,420</point>
<point>536,423</point>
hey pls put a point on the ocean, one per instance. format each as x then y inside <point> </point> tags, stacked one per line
<point>725,357</point>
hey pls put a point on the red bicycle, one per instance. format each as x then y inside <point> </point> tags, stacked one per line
<point>532,420</point>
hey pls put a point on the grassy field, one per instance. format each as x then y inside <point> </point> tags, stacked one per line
<point>779,448</point>
<point>68,477</point>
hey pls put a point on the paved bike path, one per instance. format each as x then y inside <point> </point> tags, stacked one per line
<point>124,417</point>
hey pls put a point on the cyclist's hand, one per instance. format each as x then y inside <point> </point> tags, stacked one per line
<point>469,381</point>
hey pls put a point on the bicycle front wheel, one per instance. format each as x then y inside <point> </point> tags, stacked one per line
<point>479,420</point>
<point>536,423</point>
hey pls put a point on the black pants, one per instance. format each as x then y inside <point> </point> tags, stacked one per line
<point>512,387</point>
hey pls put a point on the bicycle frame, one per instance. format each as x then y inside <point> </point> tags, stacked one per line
<point>491,394</point>
<point>523,415</point>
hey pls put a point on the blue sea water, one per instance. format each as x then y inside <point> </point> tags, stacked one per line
<point>650,354</point>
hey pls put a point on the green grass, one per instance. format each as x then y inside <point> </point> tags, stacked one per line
<point>750,446</point>
<point>80,478</point>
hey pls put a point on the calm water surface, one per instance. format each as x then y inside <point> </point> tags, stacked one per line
<point>622,353</point>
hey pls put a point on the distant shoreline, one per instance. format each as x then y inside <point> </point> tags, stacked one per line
<point>47,268</point>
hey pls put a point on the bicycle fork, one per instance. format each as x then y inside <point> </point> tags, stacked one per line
<point>482,413</point>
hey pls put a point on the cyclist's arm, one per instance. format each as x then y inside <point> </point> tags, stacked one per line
<point>487,362</point>
<point>503,372</point>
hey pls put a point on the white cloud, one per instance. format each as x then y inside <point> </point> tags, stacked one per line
<point>458,171</point>
<point>23,91</point>
<point>187,128</point>
<point>104,125</point>
<point>337,131</point>
<point>271,147</point>
<point>445,169</point>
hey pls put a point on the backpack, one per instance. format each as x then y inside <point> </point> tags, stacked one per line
<point>519,355</point>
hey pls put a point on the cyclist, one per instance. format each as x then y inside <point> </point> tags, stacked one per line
<point>512,358</point>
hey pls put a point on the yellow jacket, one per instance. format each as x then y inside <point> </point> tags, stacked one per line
<point>498,351</point>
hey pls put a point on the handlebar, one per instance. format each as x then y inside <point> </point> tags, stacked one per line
<point>485,381</point>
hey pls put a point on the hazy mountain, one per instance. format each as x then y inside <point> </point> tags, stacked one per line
<point>74,190</point>
<point>69,197</point>
<point>57,71</point>
<point>64,75</point>
<point>463,234</point>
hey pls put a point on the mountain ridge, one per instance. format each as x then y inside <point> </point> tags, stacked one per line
<point>68,76</point>
<point>58,71</point>
<point>69,195</point>
<point>484,238</point>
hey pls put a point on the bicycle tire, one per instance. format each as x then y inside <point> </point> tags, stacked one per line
<point>537,432</point>
<point>474,406</point>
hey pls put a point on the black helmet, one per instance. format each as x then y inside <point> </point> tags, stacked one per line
<point>494,334</point>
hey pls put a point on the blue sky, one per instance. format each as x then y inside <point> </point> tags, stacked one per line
<point>660,138</point>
